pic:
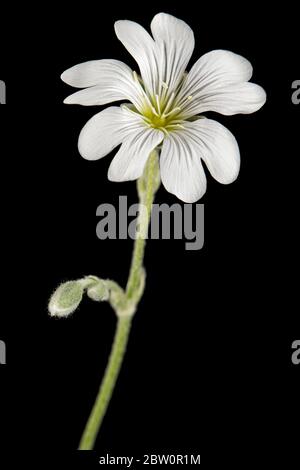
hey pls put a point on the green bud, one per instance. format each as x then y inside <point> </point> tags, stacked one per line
<point>99,291</point>
<point>66,299</point>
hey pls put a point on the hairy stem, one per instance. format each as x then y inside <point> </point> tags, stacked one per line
<point>108,384</point>
<point>147,186</point>
<point>146,200</point>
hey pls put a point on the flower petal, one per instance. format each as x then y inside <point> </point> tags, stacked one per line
<point>243,98</point>
<point>106,81</point>
<point>218,82</point>
<point>217,147</point>
<point>128,164</point>
<point>175,42</point>
<point>105,131</point>
<point>181,169</point>
<point>94,72</point>
<point>141,46</point>
<point>218,67</point>
<point>180,162</point>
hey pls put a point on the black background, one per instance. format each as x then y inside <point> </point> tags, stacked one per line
<point>208,368</point>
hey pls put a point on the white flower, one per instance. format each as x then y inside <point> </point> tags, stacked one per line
<point>165,107</point>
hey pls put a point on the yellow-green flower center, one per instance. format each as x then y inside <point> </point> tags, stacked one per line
<point>163,111</point>
<point>162,116</point>
<point>158,121</point>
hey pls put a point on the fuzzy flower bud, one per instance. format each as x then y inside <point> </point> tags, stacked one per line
<point>66,299</point>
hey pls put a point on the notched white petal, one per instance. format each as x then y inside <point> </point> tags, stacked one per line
<point>181,169</point>
<point>226,66</point>
<point>104,81</point>
<point>93,72</point>
<point>217,147</point>
<point>182,173</point>
<point>244,98</point>
<point>101,134</point>
<point>217,68</point>
<point>174,41</point>
<point>141,46</point>
<point>95,96</point>
<point>218,82</point>
<point>129,162</point>
<point>106,130</point>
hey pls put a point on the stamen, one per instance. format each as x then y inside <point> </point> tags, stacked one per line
<point>169,103</point>
<point>164,129</point>
<point>148,102</point>
<point>161,110</point>
<point>173,111</point>
<point>148,120</point>
<point>145,96</point>
<point>135,77</point>
<point>174,126</point>
<point>163,90</point>
<point>154,111</point>
<point>158,104</point>
<point>184,101</point>
<point>175,122</point>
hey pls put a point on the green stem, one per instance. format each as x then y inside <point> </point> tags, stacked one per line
<point>124,322</point>
<point>108,384</point>
<point>143,221</point>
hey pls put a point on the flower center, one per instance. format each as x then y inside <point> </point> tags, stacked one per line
<point>158,121</point>
<point>163,115</point>
<point>162,111</point>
